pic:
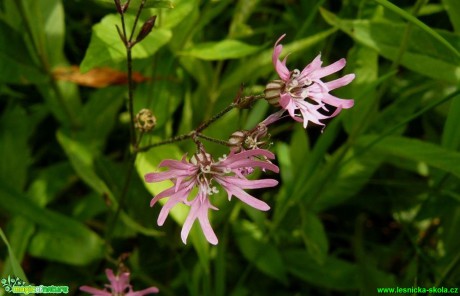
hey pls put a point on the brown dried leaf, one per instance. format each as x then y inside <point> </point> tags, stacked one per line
<point>97,77</point>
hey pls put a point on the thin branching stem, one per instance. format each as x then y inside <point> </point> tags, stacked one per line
<point>134,142</point>
<point>168,141</point>
<point>214,140</point>
<point>141,6</point>
<point>194,133</point>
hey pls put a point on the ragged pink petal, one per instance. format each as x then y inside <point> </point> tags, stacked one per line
<point>336,102</point>
<point>328,70</point>
<point>342,81</point>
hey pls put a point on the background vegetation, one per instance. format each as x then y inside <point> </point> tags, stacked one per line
<point>371,202</point>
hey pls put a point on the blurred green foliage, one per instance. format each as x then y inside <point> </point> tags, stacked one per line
<point>373,201</point>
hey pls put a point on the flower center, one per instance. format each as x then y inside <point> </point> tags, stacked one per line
<point>297,86</point>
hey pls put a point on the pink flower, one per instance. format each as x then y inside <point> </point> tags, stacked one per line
<point>305,91</point>
<point>119,285</point>
<point>202,172</point>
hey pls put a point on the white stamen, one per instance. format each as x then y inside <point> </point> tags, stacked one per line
<point>295,73</point>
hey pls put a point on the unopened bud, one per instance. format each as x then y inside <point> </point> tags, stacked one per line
<point>146,28</point>
<point>272,92</point>
<point>145,121</point>
<point>237,138</point>
<point>201,158</point>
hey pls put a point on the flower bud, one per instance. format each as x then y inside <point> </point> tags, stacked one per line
<point>237,138</point>
<point>201,158</point>
<point>146,28</point>
<point>272,92</point>
<point>145,121</point>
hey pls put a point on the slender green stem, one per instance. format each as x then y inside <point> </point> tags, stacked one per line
<point>124,191</point>
<point>205,124</point>
<point>194,133</point>
<point>134,142</point>
<point>131,94</point>
<point>123,26</point>
<point>168,141</point>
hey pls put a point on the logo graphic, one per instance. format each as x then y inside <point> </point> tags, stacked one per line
<point>11,282</point>
<point>16,285</point>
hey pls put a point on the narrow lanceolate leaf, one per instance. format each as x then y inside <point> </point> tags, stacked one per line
<point>416,150</point>
<point>451,132</point>
<point>106,47</point>
<point>315,236</point>
<point>15,266</point>
<point>424,54</point>
<point>453,10</point>
<point>404,14</point>
<point>222,50</point>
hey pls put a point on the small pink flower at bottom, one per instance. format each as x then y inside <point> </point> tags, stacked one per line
<point>119,286</point>
<point>202,172</point>
<point>302,93</point>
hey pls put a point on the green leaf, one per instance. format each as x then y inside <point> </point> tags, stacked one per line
<point>48,25</point>
<point>81,158</point>
<point>147,162</point>
<point>79,245</point>
<point>256,250</point>
<point>451,132</point>
<point>363,62</point>
<point>16,267</point>
<point>351,175</point>
<point>100,114</point>
<point>16,65</point>
<point>453,10</point>
<point>19,231</point>
<point>15,156</point>
<point>416,150</point>
<point>425,54</point>
<point>334,274</point>
<point>106,47</point>
<point>419,24</point>
<point>222,50</point>
<point>315,236</point>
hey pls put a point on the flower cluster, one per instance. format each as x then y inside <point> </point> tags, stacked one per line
<point>196,180</point>
<point>119,286</point>
<point>201,171</point>
<point>304,91</point>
